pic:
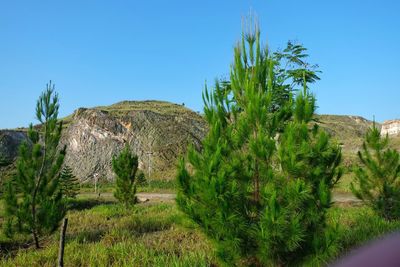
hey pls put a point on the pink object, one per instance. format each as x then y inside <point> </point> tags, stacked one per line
<point>379,253</point>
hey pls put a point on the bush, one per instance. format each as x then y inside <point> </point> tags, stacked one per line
<point>69,184</point>
<point>141,178</point>
<point>377,180</point>
<point>125,166</point>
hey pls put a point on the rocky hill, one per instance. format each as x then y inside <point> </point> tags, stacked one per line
<point>158,132</point>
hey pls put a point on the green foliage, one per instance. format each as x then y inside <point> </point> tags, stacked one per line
<point>359,225</point>
<point>141,178</point>
<point>261,186</point>
<point>4,161</point>
<point>39,207</point>
<point>157,234</point>
<point>377,181</point>
<point>69,183</point>
<point>125,166</point>
<point>154,234</point>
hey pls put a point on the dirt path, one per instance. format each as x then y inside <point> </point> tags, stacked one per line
<point>339,198</point>
<point>345,198</point>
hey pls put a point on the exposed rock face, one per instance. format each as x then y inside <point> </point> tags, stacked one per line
<point>391,127</point>
<point>9,143</point>
<point>158,133</point>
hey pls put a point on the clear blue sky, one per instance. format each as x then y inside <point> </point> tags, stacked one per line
<point>101,52</point>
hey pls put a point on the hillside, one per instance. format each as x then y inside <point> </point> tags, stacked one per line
<point>349,131</point>
<point>158,132</point>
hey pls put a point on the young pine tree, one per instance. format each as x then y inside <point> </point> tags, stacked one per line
<point>125,166</point>
<point>69,183</point>
<point>141,178</point>
<point>260,186</point>
<point>39,207</point>
<point>3,161</point>
<point>377,181</point>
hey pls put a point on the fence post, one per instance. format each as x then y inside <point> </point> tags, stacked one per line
<point>62,243</point>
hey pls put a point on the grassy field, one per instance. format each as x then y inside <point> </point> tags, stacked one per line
<point>103,233</point>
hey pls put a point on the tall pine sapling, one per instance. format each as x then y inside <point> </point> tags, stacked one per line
<point>40,206</point>
<point>260,186</point>
<point>69,183</point>
<point>377,180</point>
<point>125,166</point>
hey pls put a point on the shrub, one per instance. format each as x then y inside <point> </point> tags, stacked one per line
<point>141,178</point>
<point>377,180</point>
<point>125,166</point>
<point>69,183</point>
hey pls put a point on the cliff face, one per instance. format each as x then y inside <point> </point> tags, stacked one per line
<point>158,133</point>
<point>391,127</point>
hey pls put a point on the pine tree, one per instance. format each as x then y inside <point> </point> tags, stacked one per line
<point>125,166</point>
<point>377,180</point>
<point>261,184</point>
<point>3,161</point>
<point>69,183</point>
<point>141,178</point>
<point>40,206</point>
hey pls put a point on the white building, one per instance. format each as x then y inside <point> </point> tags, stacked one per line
<point>391,127</point>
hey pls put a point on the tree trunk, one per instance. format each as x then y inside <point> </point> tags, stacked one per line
<point>35,238</point>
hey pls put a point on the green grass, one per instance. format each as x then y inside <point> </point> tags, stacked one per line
<point>154,186</point>
<point>343,186</point>
<point>103,233</point>
<point>358,225</point>
<point>159,186</point>
<point>110,235</point>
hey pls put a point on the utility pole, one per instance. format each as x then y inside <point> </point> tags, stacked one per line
<point>96,178</point>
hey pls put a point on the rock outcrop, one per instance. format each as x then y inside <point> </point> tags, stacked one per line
<point>391,127</point>
<point>9,143</point>
<point>158,133</point>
